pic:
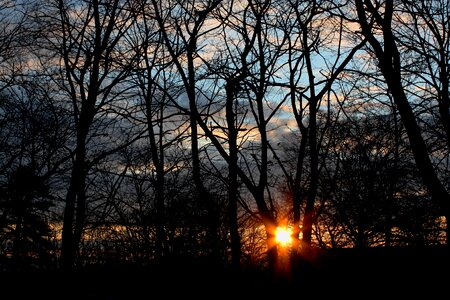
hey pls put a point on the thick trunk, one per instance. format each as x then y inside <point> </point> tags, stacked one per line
<point>233,179</point>
<point>80,216</point>
<point>313,152</point>
<point>203,196</point>
<point>297,194</point>
<point>74,213</point>
<point>308,218</point>
<point>160,216</point>
<point>156,151</point>
<point>388,56</point>
<point>233,220</point>
<point>68,242</point>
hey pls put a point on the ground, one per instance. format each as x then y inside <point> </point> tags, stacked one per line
<point>349,273</point>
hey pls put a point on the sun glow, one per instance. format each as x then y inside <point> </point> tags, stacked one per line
<point>283,236</point>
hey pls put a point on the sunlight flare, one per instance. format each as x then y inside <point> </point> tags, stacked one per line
<point>283,236</point>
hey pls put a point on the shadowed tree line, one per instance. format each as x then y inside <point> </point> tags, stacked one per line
<point>163,133</point>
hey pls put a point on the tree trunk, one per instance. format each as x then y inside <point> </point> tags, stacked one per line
<point>388,56</point>
<point>233,178</point>
<point>203,196</point>
<point>68,239</point>
<point>308,218</point>
<point>157,155</point>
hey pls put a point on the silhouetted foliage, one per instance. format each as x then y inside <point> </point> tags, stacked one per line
<point>26,234</point>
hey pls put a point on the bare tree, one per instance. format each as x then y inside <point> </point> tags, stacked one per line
<point>15,36</point>
<point>166,125</point>
<point>33,138</point>
<point>313,29</point>
<point>377,24</point>
<point>247,66</point>
<point>422,31</point>
<point>33,135</point>
<point>87,38</point>
<point>183,27</point>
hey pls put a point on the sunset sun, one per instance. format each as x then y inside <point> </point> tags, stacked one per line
<point>283,236</point>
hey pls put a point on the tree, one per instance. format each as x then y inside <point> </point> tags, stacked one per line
<point>15,36</point>
<point>246,68</point>
<point>367,177</point>
<point>153,82</point>
<point>33,137</point>
<point>377,25</point>
<point>24,203</point>
<point>313,29</point>
<point>182,28</point>
<point>88,40</point>
<point>422,35</point>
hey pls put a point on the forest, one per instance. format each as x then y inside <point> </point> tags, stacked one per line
<point>182,135</point>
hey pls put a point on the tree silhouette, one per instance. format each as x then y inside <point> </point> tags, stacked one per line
<point>375,19</point>
<point>24,203</point>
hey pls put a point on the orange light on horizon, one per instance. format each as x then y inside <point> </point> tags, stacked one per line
<point>283,236</point>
